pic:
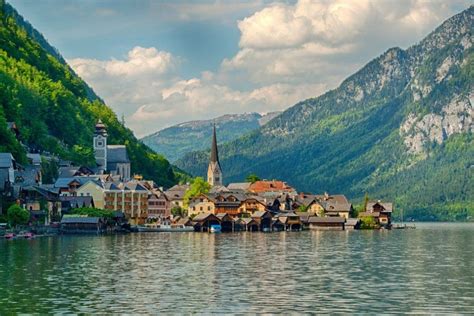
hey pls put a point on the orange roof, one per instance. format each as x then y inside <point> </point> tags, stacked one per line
<point>270,186</point>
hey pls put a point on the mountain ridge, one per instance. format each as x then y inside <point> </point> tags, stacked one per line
<point>355,138</point>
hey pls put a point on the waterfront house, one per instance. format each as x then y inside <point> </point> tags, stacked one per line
<point>42,198</point>
<point>68,203</point>
<point>263,219</point>
<point>252,204</point>
<point>228,203</point>
<point>204,221</point>
<point>352,223</point>
<point>250,224</point>
<point>304,218</point>
<point>380,211</point>
<point>130,197</point>
<point>290,220</point>
<point>159,206</point>
<point>326,223</point>
<point>227,222</point>
<point>335,205</point>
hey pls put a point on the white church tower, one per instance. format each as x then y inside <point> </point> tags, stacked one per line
<point>100,146</point>
<point>214,171</point>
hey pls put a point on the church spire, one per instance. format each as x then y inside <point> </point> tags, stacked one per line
<point>214,172</point>
<point>214,152</point>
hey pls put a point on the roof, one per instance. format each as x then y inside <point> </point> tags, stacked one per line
<point>223,216</point>
<point>334,203</point>
<point>218,189</point>
<point>183,221</point>
<point>80,219</point>
<point>35,158</point>
<point>273,185</point>
<point>135,186</point>
<point>117,154</point>
<point>239,186</point>
<point>260,213</point>
<point>77,201</point>
<point>352,221</point>
<point>6,160</point>
<point>373,214</point>
<point>321,220</point>
<point>203,216</point>
<point>64,182</point>
<point>248,220</point>
<point>29,175</point>
<point>388,207</point>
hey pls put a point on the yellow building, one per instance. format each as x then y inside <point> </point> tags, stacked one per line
<point>130,198</point>
<point>201,204</point>
<point>94,189</point>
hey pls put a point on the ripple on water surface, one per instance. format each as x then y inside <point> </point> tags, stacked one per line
<point>429,269</point>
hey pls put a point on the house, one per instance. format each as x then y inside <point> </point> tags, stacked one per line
<point>304,218</point>
<point>335,205</point>
<point>25,177</point>
<point>68,203</point>
<point>34,159</point>
<point>176,193</point>
<point>273,186</point>
<point>352,223</point>
<point>307,202</point>
<point>77,224</point>
<point>159,206</point>
<point>42,198</point>
<point>7,171</point>
<point>204,221</point>
<point>263,219</point>
<point>203,203</point>
<point>326,223</point>
<point>228,203</point>
<point>290,220</point>
<point>381,211</point>
<point>252,204</point>
<point>94,189</point>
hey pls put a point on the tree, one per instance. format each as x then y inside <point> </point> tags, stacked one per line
<point>252,178</point>
<point>50,170</point>
<point>92,212</point>
<point>198,186</point>
<point>303,208</point>
<point>366,201</point>
<point>178,211</point>
<point>17,215</point>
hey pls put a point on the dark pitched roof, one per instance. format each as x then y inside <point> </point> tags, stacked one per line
<point>29,175</point>
<point>388,207</point>
<point>117,154</point>
<point>6,160</point>
<point>203,216</point>
<point>77,201</point>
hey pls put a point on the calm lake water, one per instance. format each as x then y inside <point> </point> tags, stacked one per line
<point>426,270</point>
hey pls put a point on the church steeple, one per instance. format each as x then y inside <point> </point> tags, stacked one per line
<point>100,146</point>
<point>214,171</point>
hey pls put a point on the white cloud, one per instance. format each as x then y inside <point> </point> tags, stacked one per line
<point>288,52</point>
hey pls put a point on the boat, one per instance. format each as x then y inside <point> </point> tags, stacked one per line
<point>29,235</point>
<point>215,229</point>
<point>147,228</point>
<point>10,236</point>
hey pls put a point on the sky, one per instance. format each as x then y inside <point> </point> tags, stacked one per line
<point>159,63</point>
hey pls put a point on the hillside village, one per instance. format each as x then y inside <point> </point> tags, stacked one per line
<point>260,205</point>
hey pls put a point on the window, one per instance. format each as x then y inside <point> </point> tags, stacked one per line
<point>208,208</point>
<point>99,143</point>
<point>200,208</point>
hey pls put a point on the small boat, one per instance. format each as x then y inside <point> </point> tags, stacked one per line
<point>10,236</point>
<point>215,229</point>
<point>164,228</point>
<point>29,235</point>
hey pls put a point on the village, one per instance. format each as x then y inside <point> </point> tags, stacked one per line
<point>108,198</point>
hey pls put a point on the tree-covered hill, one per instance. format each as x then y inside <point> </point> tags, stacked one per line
<point>54,109</point>
<point>401,129</point>
<point>175,141</point>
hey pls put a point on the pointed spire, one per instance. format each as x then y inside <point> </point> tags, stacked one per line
<point>214,153</point>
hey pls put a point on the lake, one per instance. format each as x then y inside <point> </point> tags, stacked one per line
<point>425,270</point>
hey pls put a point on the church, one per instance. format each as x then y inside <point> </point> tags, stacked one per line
<point>214,171</point>
<point>111,159</point>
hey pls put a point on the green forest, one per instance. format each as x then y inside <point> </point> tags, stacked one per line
<point>55,110</point>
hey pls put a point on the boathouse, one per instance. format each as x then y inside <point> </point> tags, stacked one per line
<point>204,221</point>
<point>326,223</point>
<point>290,220</point>
<point>82,225</point>
<point>263,219</point>
<point>227,222</point>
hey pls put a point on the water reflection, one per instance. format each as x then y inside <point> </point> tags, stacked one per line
<point>429,269</point>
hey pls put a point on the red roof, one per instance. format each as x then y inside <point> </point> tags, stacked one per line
<point>270,186</point>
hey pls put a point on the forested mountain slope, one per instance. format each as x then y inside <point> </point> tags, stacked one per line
<point>54,109</point>
<point>175,141</point>
<point>400,129</point>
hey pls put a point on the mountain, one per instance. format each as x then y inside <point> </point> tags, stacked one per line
<point>400,129</point>
<point>175,141</point>
<point>54,109</point>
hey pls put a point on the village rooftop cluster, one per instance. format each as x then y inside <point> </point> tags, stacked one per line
<point>261,205</point>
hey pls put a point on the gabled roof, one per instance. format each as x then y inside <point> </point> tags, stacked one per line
<point>6,160</point>
<point>244,186</point>
<point>204,216</point>
<point>117,154</point>
<point>388,207</point>
<point>224,217</point>
<point>135,186</point>
<point>77,201</point>
<point>270,186</point>
<point>260,214</point>
<point>29,175</point>
<point>34,158</point>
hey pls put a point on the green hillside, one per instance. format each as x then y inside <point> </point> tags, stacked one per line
<point>54,109</point>
<point>400,129</point>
